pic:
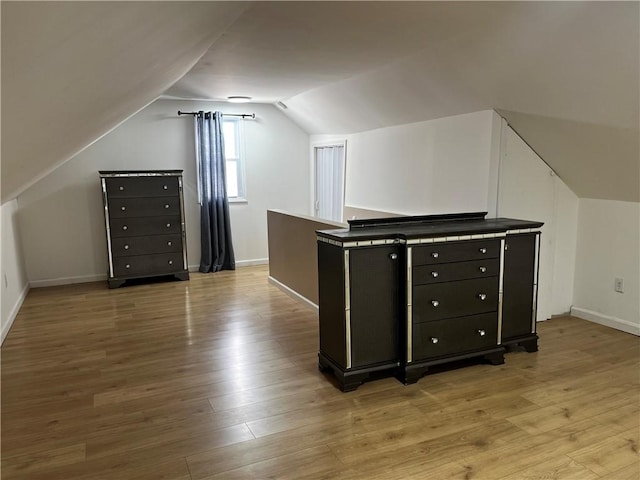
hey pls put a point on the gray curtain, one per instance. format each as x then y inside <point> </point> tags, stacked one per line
<point>215,229</point>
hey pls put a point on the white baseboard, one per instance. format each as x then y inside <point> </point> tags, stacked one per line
<point>14,312</point>
<point>292,293</point>
<point>249,263</point>
<point>239,264</point>
<point>607,321</point>
<point>53,282</point>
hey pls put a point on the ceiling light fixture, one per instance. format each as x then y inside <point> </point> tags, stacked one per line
<point>238,99</point>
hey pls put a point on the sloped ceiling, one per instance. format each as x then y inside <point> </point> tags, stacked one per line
<point>71,71</point>
<point>564,74</point>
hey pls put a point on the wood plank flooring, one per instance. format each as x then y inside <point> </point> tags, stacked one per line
<point>216,378</point>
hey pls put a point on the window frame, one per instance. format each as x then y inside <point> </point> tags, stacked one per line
<point>238,128</point>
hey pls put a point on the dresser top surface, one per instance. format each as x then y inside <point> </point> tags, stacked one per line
<point>140,173</point>
<point>434,226</point>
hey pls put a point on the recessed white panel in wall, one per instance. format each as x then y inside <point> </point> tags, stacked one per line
<point>529,189</point>
<point>438,166</point>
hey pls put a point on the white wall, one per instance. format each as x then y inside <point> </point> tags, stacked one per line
<point>608,247</point>
<point>14,279</point>
<point>437,166</point>
<point>530,190</point>
<point>61,217</point>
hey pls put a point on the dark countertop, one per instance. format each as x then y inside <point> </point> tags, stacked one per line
<point>139,173</point>
<point>427,226</point>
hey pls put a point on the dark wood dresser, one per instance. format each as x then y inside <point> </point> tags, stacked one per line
<point>144,220</point>
<point>400,295</point>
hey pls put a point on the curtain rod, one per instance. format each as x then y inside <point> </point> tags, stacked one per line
<point>243,115</point>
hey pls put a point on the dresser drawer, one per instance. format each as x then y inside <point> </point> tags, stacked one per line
<point>127,246</point>
<point>448,272</point>
<point>131,227</point>
<point>454,299</point>
<point>127,207</point>
<point>454,336</point>
<point>166,263</point>
<point>142,186</point>
<point>455,251</point>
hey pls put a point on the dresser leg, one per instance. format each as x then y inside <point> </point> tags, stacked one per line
<point>349,386</point>
<point>409,376</point>
<point>347,381</point>
<point>495,358</point>
<point>322,366</point>
<point>116,283</point>
<point>182,275</point>
<point>530,345</point>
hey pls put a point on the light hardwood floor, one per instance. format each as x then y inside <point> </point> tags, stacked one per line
<point>217,378</point>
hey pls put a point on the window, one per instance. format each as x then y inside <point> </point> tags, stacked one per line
<point>234,155</point>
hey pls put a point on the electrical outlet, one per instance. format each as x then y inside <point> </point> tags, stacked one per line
<point>619,285</point>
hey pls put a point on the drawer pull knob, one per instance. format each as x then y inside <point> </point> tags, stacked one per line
<point>393,256</point>
<point>168,225</point>
<point>121,188</point>
<point>127,266</point>
<point>434,339</point>
<point>483,250</point>
<point>166,205</point>
<point>170,262</point>
<point>482,296</point>
<point>482,333</point>
<point>123,208</point>
<point>435,303</point>
<point>434,274</point>
<point>124,227</point>
<point>435,254</point>
<point>126,247</point>
<point>483,269</point>
<point>164,187</point>
<point>169,243</point>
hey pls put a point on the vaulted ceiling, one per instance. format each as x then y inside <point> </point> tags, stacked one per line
<point>564,74</point>
<point>72,71</point>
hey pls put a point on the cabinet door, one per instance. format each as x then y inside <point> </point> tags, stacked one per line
<point>519,272</point>
<point>331,300</point>
<point>374,298</point>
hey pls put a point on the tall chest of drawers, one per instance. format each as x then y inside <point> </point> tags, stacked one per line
<point>459,286</point>
<point>144,221</point>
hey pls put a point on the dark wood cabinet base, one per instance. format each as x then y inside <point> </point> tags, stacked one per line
<point>495,358</point>
<point>529,343</point>
<point>116,283</point>
<point>412,372</point>
<point>349,380</point>
<point>119,282</point>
